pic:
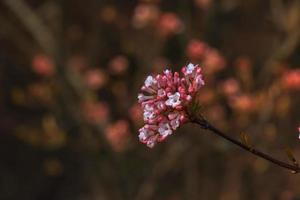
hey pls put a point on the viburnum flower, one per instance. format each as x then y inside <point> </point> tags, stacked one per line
<point>164,99</point>
<point>169,100</point>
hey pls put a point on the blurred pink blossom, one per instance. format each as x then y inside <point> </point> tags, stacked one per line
<point>144,15</point>
<point>216,113</point>
<point>169,23</point>
<point>291,79</point>
<point>243,103</point>
<point>230,87</point>
<point>118,134</point>
<point>108,14</point>
<point>118,65</point>
<point>43,65</point>
<point>206,96</point>
<point>204,4</point>
<point>96,112</point>
<point>196,49</point>
<point>136,113</point>
<point>213,61</point>
<point>95,78</point>
<point>243,63</point>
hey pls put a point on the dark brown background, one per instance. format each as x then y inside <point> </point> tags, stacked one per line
<point>49,149</point>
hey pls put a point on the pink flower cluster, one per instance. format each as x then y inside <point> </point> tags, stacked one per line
<point>164,99</point>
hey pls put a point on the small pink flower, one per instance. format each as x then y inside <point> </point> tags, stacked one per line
<point>118,134</point>
<point>169,23</point>
<point>96,112</point>
<point>43,65</point>
<point>164,99</point>
<point>196,49</point>
<point>230,87</point>
<point>95,79</point>
<point>118,65</point>
<point>174,100</point>
<point>213,61</point>
<point>164,129</point>
<point>244,103</point>
<point>176,118</point>
<point>291,79</point>
<point>150,81</point>
<point>149,112</point>
<point>144,15</point>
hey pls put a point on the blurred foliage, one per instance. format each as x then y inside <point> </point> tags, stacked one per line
<point>69,76</point>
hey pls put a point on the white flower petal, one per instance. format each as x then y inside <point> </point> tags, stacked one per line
<point>175,123</point>
<point>174,100</point>
<point>161,92</point>
<point>190,68</point>
<point>150,81</point>
<point>164,129</point>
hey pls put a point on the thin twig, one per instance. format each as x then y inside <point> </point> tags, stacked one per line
<point>206,125</point>
<point>283,50</point>
<point>40,32</point>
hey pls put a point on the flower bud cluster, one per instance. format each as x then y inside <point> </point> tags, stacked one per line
<point>164,99</point>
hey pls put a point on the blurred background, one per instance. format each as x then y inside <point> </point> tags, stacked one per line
<point>70,72</point>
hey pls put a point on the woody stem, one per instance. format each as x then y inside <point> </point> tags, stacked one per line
<point>206,125</point>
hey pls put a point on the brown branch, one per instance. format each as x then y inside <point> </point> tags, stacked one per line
<point>206,125</point>
<point>15,36</point>
<point>285,48</point>
<point>30,19</point>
